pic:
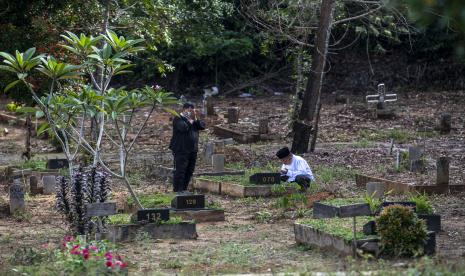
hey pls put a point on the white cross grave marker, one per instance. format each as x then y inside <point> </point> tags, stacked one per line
<point>381,98</point>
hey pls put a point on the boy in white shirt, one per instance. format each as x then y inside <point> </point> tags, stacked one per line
<point>295,169</point>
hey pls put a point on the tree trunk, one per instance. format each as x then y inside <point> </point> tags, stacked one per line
<point>315,80</point>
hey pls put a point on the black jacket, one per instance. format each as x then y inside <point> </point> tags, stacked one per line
<point>185,135</point>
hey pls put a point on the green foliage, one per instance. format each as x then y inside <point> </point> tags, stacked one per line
<point>155,200</point>
<point>373,202</point>
<point>294,200</point>
<point>327,175</point>
<point>21,216</point>
<point>34,164</point>
<point>399,135</point>
<point>401,232</point>
<point>12,107</point>
<point>340,227</point>
<point>285,187</point>
<point>422,203</point>
<point>263,217</point>
<point>119,219</point>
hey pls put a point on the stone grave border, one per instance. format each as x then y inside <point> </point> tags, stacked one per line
<point>129,232</point>
<point>401,187</point>
<point>233,189</point>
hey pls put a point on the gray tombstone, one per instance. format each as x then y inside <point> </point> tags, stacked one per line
<point>415,155</point>
<point>16,197</point>
<point>219,147</point>
<point>375,189</point>
<point>233,115</point>
<point>218,162</point>
<point>33,185</point>
<point>210,107</point>
<point>208,152</point>
<point>49,182</point>
<point>442,176</point>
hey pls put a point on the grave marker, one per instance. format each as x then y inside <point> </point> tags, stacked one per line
<point>208,152</point>
<point>263,126</point>
<point>210,108</point>
<point>53,164</point>
<point>16,197</point>
<point>233,115</point>
<point>415,155</point>
<point>265,178</point>
<point>218,162</point>
<point>381,99</point>
<point>442,175</point>
<point>153,215</point>
<point>49,182</point>
<point>33,185</point>
<point>188,202</point>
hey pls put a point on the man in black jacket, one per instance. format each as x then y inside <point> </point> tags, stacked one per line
<point>184,145</point>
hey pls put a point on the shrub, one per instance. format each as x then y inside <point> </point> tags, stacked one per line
<point>401,232</point>
<point>423,206</point>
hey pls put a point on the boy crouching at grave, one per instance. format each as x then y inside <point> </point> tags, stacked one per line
<point>184,144</point>
<point>295,169</point>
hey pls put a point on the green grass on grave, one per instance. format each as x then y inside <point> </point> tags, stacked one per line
<point>241,179</point>
<point>156,200</point>
<point>339,227</point>
<point>337,202</point>
<point>126,219</point>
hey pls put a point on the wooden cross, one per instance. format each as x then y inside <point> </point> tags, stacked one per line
<point>381,98</point>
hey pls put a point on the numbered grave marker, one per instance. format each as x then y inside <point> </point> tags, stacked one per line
<point>153,215</point>
<point>188,202</point>
<point>265,178</point>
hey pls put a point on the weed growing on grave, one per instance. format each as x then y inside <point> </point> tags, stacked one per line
<point>171,264</point>
<point>284,188</point>
<point>363,143</point>
<point>119,219</point>
<point>214,206</point>
<point>339,227</point>
<point>34,164</point>
<point>142,236</point>
<point>27,256</point>
<point>422,203</point>
<point>237,166</point>
<point>21,216</point>
<point>399,135</point>
<point>5,239</point>
<point>291,201</point>
<point>263,217</point>
<point>401,232</point>
<point>373,202</point>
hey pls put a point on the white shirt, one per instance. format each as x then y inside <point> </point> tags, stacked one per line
<point>297,166</point>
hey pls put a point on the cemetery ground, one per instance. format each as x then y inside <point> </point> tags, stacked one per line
<point>257,235</point>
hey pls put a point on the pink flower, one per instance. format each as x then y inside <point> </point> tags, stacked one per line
<point>45,245</point>
<point>85,255</point>
<point>75,252</point>
<point>68,238</point>
<point>108,256</point>
<point>119,258</point>
<point>109,263</point>
<point>93,248</point>
<point>123,265</point>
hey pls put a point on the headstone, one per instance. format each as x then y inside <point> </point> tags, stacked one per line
<point>16,197</point>
<point>53,164</point>
<point>218,147</point>
<point>233,115</point>
<point>188,202</point>
<point>415,155</point>
<point>375,189</point>
<point>100,209</point>
<point>33,185</point>
<point>228,141</point>
<point>442,176</point>
<point>210,108</point>
<point>445,123</point>
<point>263,126</point>
<point>381,99</point>
<point>153,215</point>
<point>49,182</point>
<point>208,152</point>
<point>265,178</point>
<point>218,162</point>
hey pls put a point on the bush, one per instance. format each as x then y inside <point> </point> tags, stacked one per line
<point>401,232</point>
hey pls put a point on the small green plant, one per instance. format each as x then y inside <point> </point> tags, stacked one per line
<point>363,143</point>
<point>422,204</point>
<point>171,264</point>
<point>263,217</point>
<point>291,201</point>
<point>35,165</point>
<point>401,232</point>
<point>21,216</point>
<point>119,219</point>
<point>155,200</point>
<point>283,188</point>
<point>373,202</point>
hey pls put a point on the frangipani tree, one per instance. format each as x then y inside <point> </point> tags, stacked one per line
<point>81,108</point>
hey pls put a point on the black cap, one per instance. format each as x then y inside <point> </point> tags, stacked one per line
<point>283,153</point>
<point>187,105</point>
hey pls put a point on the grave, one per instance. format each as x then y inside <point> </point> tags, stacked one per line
<point>445,123</point>
<point>49,182</point>
<point>34,189</point>
<point>382,111</point>
<point>233,115</point>
<point>17,197</point>
<point>192,207</point>
<point>53,164</point>
<point>415,156</point>
<point>218,163</point>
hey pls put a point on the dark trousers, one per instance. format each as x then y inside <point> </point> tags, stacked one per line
<point>184,165</point>
<point>301,179</point>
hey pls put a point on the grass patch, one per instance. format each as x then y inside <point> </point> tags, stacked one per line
<point>337,202</point>
<point>327,175</point>
<point>34,164</point>
<point>339,227</point>
<point>156,200</point>
<point>241,179</point>
<point>126,219</point>
<point>363,143</point>
<point>399,135</point>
